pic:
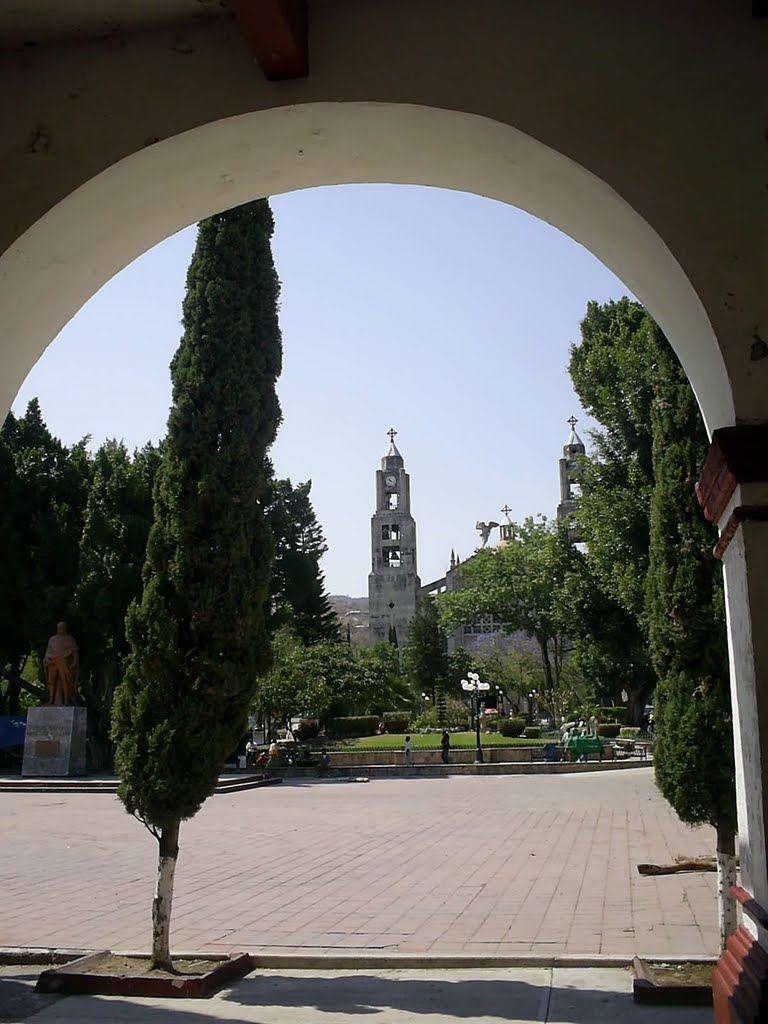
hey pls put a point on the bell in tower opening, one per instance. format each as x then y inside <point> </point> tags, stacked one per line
<point>393,583</point>
<point>570,489</point>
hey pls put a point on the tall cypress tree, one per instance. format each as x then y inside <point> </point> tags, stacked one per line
<point>198,638</point>
<point>693,754</point>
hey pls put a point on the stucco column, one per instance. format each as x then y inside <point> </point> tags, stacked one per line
<point>733,490</point>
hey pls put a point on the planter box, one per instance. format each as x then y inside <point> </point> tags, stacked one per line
<point>650,988</point>
<point>101,974</point>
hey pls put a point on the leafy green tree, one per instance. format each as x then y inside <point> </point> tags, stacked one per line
<point>296,684</point>
<point>379,682</point>
<point>117,519</point>
<point>45,487</point>
<point>425,655</point>
<point>612,369</point>
<point>518,584</point>
<point>329,679</point>
<point>298,594</point>
<point>601,628</point>
<point>15,644</point>
<point>199,639</point>
<point>460,661</point>
<point>693,753</point>
<point>514,672</point>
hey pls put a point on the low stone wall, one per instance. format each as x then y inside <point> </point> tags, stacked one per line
<point>382,771</point>
<point>464,755</point>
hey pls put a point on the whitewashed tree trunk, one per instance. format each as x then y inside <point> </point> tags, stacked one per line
<point>163,901</point>
<point>726,878</point>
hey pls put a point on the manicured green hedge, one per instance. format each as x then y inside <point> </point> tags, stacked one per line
<point>396,721</point>
<point>355,725</point>
<point>629,732</point>
<point>532,732</point>
<point>608,729</point>
<point>511,726</point>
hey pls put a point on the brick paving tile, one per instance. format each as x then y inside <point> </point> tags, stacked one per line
<point>495,864</point>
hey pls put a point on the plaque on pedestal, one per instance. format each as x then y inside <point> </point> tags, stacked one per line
<point>55,741</point>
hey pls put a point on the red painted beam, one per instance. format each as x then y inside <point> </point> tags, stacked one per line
<point>276,31</point>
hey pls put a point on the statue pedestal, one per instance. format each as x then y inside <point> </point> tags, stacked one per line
<point>55,741</point>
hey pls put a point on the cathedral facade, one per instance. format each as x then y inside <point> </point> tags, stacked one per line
<point>394,587</point>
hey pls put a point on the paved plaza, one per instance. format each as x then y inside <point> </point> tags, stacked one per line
<point>482,866</point>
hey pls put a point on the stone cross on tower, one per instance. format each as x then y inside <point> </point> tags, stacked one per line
<point>573,421</point>
<point>506,530</point>
<point>392,434</point>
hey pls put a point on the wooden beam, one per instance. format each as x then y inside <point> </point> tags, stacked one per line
<point>276,31</point>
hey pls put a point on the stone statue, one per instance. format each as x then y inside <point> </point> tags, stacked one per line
<point>485,531</point>
<point>61,664</point>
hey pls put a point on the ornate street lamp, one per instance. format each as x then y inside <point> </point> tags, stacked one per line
<point>473,685</point>
<point>532,705</point>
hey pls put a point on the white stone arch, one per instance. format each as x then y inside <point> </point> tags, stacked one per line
<point>97,230</point>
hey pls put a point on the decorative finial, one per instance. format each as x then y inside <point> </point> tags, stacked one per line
<point>391,434</point>
<point>573,421</point>
<point>505,511</point>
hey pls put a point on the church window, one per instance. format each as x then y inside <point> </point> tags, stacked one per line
<point>385,533</point>
<point>392,501</point>
<point>394,531</point>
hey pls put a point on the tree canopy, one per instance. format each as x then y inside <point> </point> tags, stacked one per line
<point>297,589</point>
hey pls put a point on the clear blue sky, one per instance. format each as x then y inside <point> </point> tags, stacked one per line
<point>444,315</point>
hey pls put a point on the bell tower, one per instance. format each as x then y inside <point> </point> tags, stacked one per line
<point>393,584</point>
<point>570,490</point>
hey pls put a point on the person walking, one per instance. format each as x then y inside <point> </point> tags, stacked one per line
<point>407,752</point>
<point>445,746</point>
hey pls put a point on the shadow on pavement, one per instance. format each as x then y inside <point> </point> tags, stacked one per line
<point>362,994</point>
<point>18,999</point>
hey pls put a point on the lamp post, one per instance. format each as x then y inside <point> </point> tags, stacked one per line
<point>473,685</point>
<point>499,701</point>
<point>532,705</point>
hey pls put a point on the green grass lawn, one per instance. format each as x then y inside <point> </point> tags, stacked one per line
<point>431,741</point>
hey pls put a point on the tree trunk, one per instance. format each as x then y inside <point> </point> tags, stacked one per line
<point>726,877</point>
<point>636,705</point>
<point>549,682</point>
<point>163,901</point>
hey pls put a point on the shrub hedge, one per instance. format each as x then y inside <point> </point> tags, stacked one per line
<point>608,729</point>
<point>354,725</point>
<point>511,726</point>
<point>629,732</point>
<point>532,732</point>
<point>396,721</point>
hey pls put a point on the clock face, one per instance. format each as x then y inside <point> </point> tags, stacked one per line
<point>390,481</point>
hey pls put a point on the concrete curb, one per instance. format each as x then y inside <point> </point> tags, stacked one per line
<point>355,962</point>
